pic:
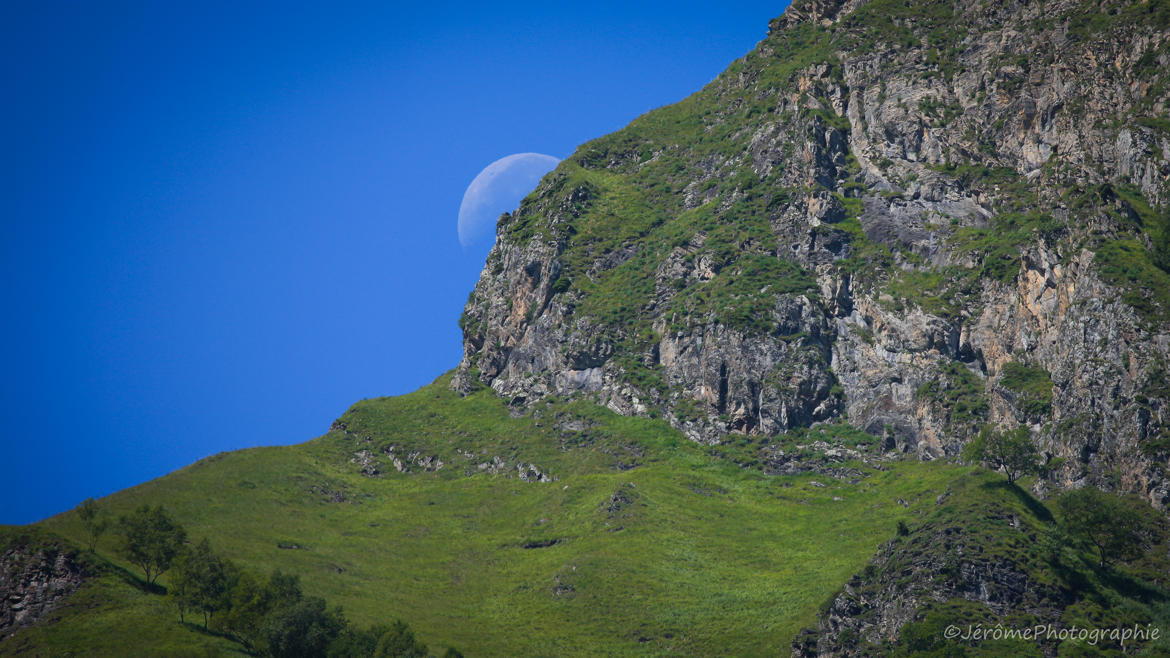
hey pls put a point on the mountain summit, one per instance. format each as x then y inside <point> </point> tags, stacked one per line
<point>918,218</point>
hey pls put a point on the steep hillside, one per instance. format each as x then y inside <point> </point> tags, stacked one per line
<point>568,531</point>
<point>571,530</point>
<point>990,556</point>
<point>917,217</point>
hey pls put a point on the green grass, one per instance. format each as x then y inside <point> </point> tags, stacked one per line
<point>703,557</point>
<point>112,614</point>
<point>1032,383</point>
<point>960,392</point>
<point>982,518</point>
<point>744,295</point>
<point>998,247</point>
<point>1127,264</point>
<point>751,452</point>
<point>1090,22</point>
<point>1158,123</point>
<point>1136,257</point>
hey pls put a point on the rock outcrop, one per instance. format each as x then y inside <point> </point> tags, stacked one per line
<point>34,580</point>
<point>868,218</point>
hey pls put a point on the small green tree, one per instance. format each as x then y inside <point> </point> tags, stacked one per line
<point>381,640</point>
<point>1012,451</point>
<point>150,540</point>
<point>302,628</point>
<point>182,589</point>
<point>253,607</point>
<point>247,605</point>
<point>88,512</point>
<point>1115,527</point>
<point>201,581</point>
<point>357,642</point>
<point>354,643</point>
<point>399,642</point>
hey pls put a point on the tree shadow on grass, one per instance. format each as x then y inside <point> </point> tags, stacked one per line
<point>1083,576</point>
<point>1132,587</point>
<point>1075,581</point>
<point>1034,506</point>
<point>103,564</point>
<point>198,627</point>
<point>141,584</point>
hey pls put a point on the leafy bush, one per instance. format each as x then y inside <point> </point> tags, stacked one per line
<point>398,641</point>
<point>302,627</point>
<point>1012,451</point>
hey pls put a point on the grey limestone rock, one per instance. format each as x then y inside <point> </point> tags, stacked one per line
<point>890,144</point>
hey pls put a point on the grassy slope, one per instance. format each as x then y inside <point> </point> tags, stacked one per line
<point>706,557</point>
<point>113,614</point>
<point>987,520</point>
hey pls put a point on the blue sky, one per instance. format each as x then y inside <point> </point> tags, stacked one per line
<point>224,225</point>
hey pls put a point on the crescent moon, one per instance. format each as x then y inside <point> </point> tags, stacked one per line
<point>497,189</point>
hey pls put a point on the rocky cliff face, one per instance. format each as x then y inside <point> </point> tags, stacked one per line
<point>919,219</point>
<point>33,582</point>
